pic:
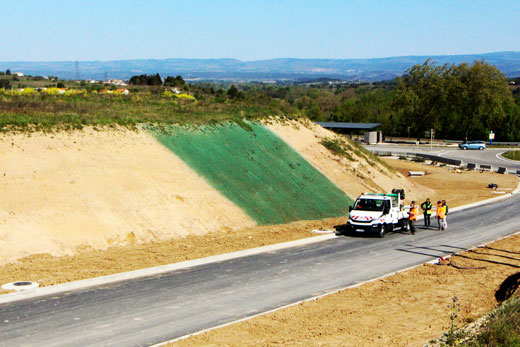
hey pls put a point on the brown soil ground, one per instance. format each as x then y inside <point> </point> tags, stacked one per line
<point>95,189</point>
<point>457,187</point>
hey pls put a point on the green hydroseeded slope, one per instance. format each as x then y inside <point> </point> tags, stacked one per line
<point>257,171</point>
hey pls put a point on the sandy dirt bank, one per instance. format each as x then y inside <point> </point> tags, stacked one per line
<point>99,189</point>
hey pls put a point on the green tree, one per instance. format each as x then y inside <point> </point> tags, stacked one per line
<point>421,97</point>
<point>177,81</point>
<point>146,80</point>
<point>4,83</point>
<point>479,94</point>
<point>233,92</point>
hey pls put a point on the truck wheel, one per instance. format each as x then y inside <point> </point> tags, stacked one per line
<point>405,226</point>
<point>380,231</point>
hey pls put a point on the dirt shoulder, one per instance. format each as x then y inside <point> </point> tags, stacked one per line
<point>407,309</point>
<point>457,187</point>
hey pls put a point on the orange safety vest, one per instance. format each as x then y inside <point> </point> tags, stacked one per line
<point>441,211</point>
<point>413,213</point>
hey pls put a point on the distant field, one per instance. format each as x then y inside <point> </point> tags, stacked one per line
<point>44,112</point>
<point>513,155</point>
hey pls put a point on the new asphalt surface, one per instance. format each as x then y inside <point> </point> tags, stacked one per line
<point>153,309</point>
<point>490,156</point>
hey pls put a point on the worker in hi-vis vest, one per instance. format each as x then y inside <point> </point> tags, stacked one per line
<point>445,220</point>
<point>412,217</point>
<point>427,211</point>
<point>441,213</point>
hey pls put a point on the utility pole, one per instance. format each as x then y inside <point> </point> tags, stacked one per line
<point>76,72</point>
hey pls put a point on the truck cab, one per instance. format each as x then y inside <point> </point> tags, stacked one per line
<point>377,213</point>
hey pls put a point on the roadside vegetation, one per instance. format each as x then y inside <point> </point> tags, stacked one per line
<point>502,327</point>
<point>513,155</point>
<point>457,101</point>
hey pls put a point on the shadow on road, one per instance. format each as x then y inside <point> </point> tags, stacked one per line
<point>343,230</point>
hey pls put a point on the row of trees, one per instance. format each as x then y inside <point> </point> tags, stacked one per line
<point>463,101</point>
<point>459,101</point>
<point>155,80</point>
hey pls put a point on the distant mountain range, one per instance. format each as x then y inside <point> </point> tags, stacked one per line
<point>283,69</point>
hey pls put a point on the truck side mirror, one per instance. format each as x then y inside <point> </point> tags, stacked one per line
<point>350,208</point>
<point>386,210</point>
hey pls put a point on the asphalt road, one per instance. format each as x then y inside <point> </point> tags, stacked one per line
<point>154,309</point>
<point>489,156</point>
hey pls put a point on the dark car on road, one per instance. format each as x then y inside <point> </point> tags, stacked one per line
<point>473,145</point>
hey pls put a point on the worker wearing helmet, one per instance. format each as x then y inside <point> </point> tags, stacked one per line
<point>412,217</point>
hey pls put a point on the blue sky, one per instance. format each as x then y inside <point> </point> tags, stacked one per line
<point>254,29</point>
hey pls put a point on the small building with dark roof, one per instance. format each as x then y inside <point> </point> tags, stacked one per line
<point>370,135</point>
<point>349,126</point>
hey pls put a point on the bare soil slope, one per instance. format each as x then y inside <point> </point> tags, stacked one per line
<point>352,176</point>
<point>99,189</point>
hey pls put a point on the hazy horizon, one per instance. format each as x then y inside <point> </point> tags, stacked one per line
<point>254,30</point>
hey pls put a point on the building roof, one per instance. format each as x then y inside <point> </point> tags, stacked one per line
<point>349,126</point>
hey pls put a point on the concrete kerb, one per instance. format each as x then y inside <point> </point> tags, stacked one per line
<point>86,283</point>
<point>90,282</point>
<point>501,157</point>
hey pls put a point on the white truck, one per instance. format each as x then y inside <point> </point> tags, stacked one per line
<point>378,213</point>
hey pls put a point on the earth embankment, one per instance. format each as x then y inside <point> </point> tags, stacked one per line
<point>97,189</point>
<point>94,189</point>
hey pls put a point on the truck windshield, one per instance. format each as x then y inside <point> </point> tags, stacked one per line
<point>369,205</point>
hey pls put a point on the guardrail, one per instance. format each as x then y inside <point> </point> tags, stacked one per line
<point>438,159</point>
<point>434,158</point>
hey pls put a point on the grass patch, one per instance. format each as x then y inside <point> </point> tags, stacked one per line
<point>337,147</point>
<point>371,157</point>
<point>502,328</point>
<point>54,112</point>
<point>513,155</point>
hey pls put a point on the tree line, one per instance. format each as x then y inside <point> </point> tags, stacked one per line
<point>156,80</point>
<point>463,101</point>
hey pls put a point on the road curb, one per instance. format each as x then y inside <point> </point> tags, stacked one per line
<point>499,156</point>
<point>157,270</point>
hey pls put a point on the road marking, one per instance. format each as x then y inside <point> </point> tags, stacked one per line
<point>499,156</point>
